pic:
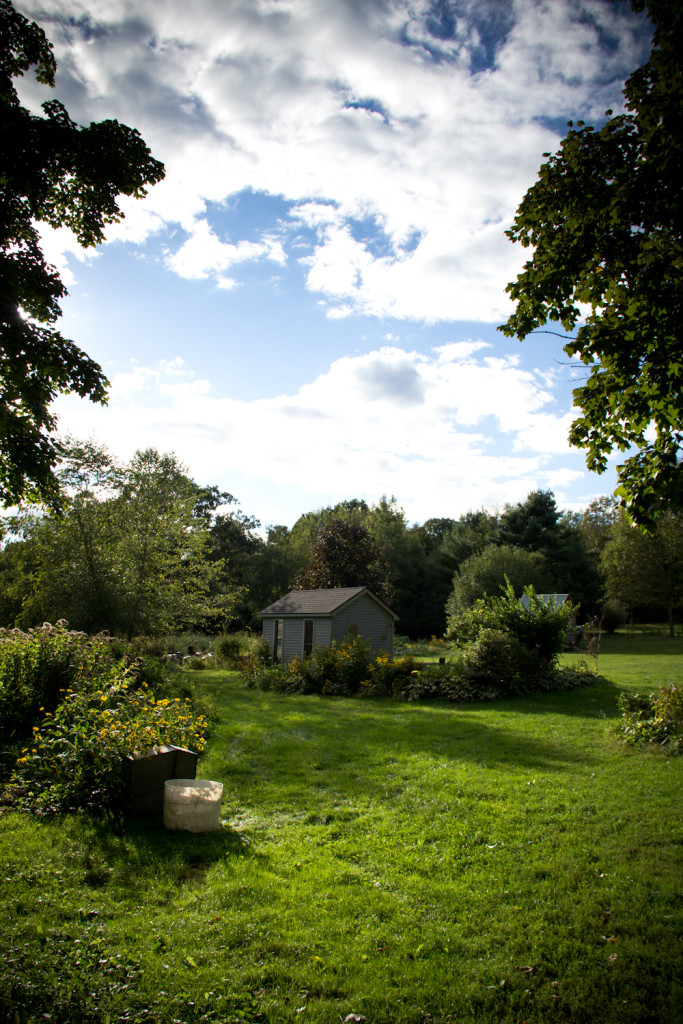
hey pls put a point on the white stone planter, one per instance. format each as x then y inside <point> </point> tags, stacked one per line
<point>192,805</point>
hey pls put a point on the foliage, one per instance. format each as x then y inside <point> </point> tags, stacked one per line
<point>228,651</point>
<point>646,568</point>
<point>486,572</point>
<point>85,703</point>
<point>344,668</point>
<point>613,616</point>
<point>539,627</point>
<point>38,666</point>
<point>127,552</point>
<point>434,647</point>
<point>497,659</point>
<point>595,524</point>
<point>605,220</point>
<point>75,761</point>
<point>66,176</point>
<point>656,718</point>
<point>496,665</point>
<point>409,572</point>
<point>537,524</point>
<point>344,555</point>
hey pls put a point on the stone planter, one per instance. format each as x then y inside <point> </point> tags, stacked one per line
<point>192,805</point>
<point>145,775</point>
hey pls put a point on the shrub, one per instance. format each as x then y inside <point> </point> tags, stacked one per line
<point>84,709</point>
<point>656,718</point>
<point>257,654</point>
<point>497,659</point>
<point>75,759</point>
<point>36,668</point>
<point>228,651</point>
<point>540,628</point>
<point>495,666</point>
<point>337,670</point>
<point>196,664</point>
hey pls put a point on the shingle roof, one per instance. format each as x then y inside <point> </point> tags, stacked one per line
<point>316,602</point>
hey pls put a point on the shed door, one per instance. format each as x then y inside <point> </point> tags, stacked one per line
<point>277,640</point>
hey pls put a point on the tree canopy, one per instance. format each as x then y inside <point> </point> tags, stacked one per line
<point>126,552</point>
<point>64,175</point>
<point>646,569</point>
<point>491,570</point>
<point>605,220</point>
<point>345,555</point>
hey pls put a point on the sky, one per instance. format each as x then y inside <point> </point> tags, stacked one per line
<point>305,310</point>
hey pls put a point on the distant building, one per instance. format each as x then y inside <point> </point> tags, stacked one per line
<point>304,619</point>
<point>572,638</point>
<point>554,600</point>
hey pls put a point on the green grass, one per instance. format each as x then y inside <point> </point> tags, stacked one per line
<point>502,862</point>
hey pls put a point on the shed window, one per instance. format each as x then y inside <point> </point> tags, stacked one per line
<point>308,637</point>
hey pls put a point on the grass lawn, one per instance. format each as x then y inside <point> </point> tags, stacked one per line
<point>508,862</point>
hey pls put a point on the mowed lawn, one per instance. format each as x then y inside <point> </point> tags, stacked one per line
<point>399,862</point>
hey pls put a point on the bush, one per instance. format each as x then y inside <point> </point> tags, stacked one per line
<point>656,718</point>
<point>79,709</point>
<point>498,666</point>
<point>337,670</point>
<point>497,659</point>
<point>257,654</point>
<point>76,756</point>
<point>540,628</point>
<point>228,651</point>
<point>36,668</point>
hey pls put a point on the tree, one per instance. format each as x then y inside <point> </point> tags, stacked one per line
<point>344,555</point>
<point>126,551</point>
<point>595,524</point>
<point>537,525</point>
<point>646,569</point>
<point>486,573</point>
<point>605,219</point>
<point>64,175</point>
<point>469,535</point>
<point>532,524</point>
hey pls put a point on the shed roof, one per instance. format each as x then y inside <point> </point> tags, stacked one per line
<point>554,600</point>
<point>319,602</point>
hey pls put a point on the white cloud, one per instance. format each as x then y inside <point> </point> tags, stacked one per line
<point>350,111</point>
<point>454,430</point>
<point>203,254</point>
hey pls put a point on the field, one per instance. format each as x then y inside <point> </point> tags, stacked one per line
<point>507,862</point>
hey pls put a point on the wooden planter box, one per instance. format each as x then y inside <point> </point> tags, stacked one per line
<point>145,775</point>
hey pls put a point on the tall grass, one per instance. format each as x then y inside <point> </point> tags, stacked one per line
<point>501,862</point>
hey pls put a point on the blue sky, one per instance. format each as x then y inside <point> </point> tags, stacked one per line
<point>305,310</point>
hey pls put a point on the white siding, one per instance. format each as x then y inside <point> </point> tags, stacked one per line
<point>372,622</point>
<point>322,632</point>
<point>293,635</point>
<point>293,639</point>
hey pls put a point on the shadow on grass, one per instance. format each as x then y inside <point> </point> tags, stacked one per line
<point>300,746</point>
<point>597,700</point>
<point>137,848</point>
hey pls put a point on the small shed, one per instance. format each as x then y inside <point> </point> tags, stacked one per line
<point>304,619</point>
